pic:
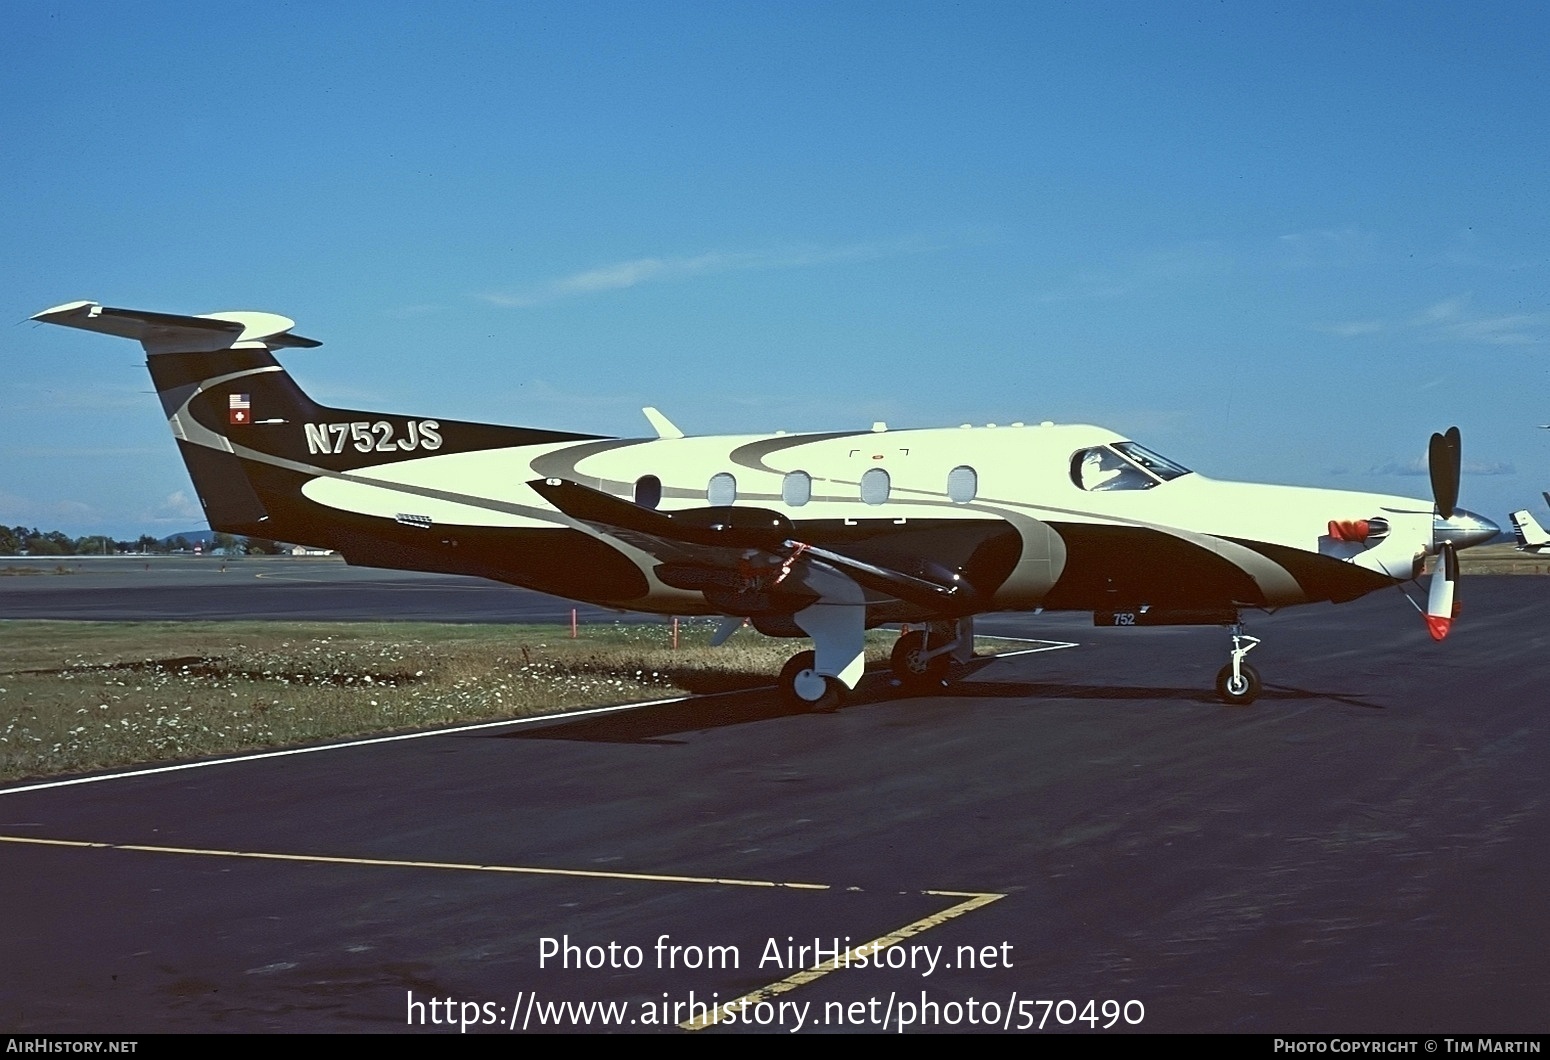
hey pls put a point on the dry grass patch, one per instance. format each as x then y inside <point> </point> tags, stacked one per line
<point>78,696</point>
<point>1501,559</point>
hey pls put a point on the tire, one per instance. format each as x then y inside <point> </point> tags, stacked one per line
<point>914,674</point>
<point>833,692</point>
<point>1240,693</point>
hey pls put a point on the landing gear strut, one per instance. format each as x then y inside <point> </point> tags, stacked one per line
<point>819,679</point>
<point>1238,683</point>
<point>803,686</point>
<point>923,659</point>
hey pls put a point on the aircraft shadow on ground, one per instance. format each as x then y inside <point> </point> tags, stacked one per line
<point>657,724</point>
<point>1271,693</point>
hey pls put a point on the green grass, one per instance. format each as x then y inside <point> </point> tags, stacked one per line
<point>80,696</point>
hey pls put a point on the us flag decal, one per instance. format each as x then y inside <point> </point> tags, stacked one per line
<point>241,412</point>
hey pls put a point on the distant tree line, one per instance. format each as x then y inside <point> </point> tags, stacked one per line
<point>19,540</point>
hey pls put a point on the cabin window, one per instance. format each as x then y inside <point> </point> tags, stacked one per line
<point>648,491</point>
<point>874,486</point>
<point>796,489</point>
<point>722,490</point>
<point>963,484</point>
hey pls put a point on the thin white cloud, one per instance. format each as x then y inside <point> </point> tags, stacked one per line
<point>16,509</point>
<point>178,507</point>
<point>68,452</point>
<point>1452,320</point>
<point>1163,267</point>
<point>1352,328</point>
<point>1447,311</point>
<point>626,274</point>
<point>1514,329</point>
<point>91,396</point>
<point>1418,467</point>
<point>1330,248</point>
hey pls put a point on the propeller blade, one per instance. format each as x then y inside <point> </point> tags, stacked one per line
<point>1440,605</point>
<point>1444,461</point>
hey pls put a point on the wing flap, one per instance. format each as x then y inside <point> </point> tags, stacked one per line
<point>717,549</point>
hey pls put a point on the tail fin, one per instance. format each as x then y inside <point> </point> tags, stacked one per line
<point>1531,536</point>
<point>248,434</point>
<point>206,369</point>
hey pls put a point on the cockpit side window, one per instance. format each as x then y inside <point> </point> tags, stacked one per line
<point>1104,468</point>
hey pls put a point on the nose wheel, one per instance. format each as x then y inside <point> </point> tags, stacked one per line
<point>1238,683</point>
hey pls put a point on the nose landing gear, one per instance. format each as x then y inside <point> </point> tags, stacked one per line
<point>1238,683</point>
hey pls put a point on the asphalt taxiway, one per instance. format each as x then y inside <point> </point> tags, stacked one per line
<point>1363,849</point>
<point>186,588</point>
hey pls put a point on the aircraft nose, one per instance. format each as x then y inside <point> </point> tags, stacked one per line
<point>1463,528</point>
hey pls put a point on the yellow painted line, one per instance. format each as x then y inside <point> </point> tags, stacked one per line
<point>321,859</point>
<point>842,961</point>
<point>972,900</point>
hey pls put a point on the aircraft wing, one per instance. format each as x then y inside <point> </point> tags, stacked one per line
<point>754,552</point>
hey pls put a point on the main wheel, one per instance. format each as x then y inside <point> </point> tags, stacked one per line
<point>915,672</point>
<point>1240,691</point>
<point>804,687</point>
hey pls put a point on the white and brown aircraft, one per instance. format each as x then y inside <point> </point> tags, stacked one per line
<point>817,535</point>
<point>1531,536</point>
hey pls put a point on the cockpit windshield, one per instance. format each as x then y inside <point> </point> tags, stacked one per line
<point>1160,466</point>
<point>1122,466</point>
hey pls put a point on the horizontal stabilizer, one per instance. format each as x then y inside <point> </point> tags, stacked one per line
<point>173,333</point>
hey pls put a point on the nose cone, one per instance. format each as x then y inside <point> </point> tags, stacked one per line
<point>1463,529</point>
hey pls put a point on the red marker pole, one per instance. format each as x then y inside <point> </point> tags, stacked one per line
<point>573,623</point>
<point>675,632</point>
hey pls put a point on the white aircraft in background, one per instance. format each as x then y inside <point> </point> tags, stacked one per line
<point>818,535</point>
<point>1531,536</point>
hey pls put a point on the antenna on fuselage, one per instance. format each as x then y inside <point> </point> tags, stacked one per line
<point>664,427</point>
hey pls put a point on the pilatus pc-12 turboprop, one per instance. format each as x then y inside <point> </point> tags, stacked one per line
<point>822,535</point>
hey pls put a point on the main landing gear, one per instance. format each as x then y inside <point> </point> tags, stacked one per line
<point>1238,683</point>
<point>803,686</point>
<point>923,659</point>
<point>819,679</point>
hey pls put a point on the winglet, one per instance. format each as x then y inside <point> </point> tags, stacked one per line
<point>664,427</point>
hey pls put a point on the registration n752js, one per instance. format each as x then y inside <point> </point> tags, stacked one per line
<point>380,437</point>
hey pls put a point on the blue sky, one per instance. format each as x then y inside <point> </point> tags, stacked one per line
<point>1275,244</point>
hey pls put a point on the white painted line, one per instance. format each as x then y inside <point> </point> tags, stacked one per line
<point>1020,640</point>
<point>1045,645</point>
<point>235,759</point>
